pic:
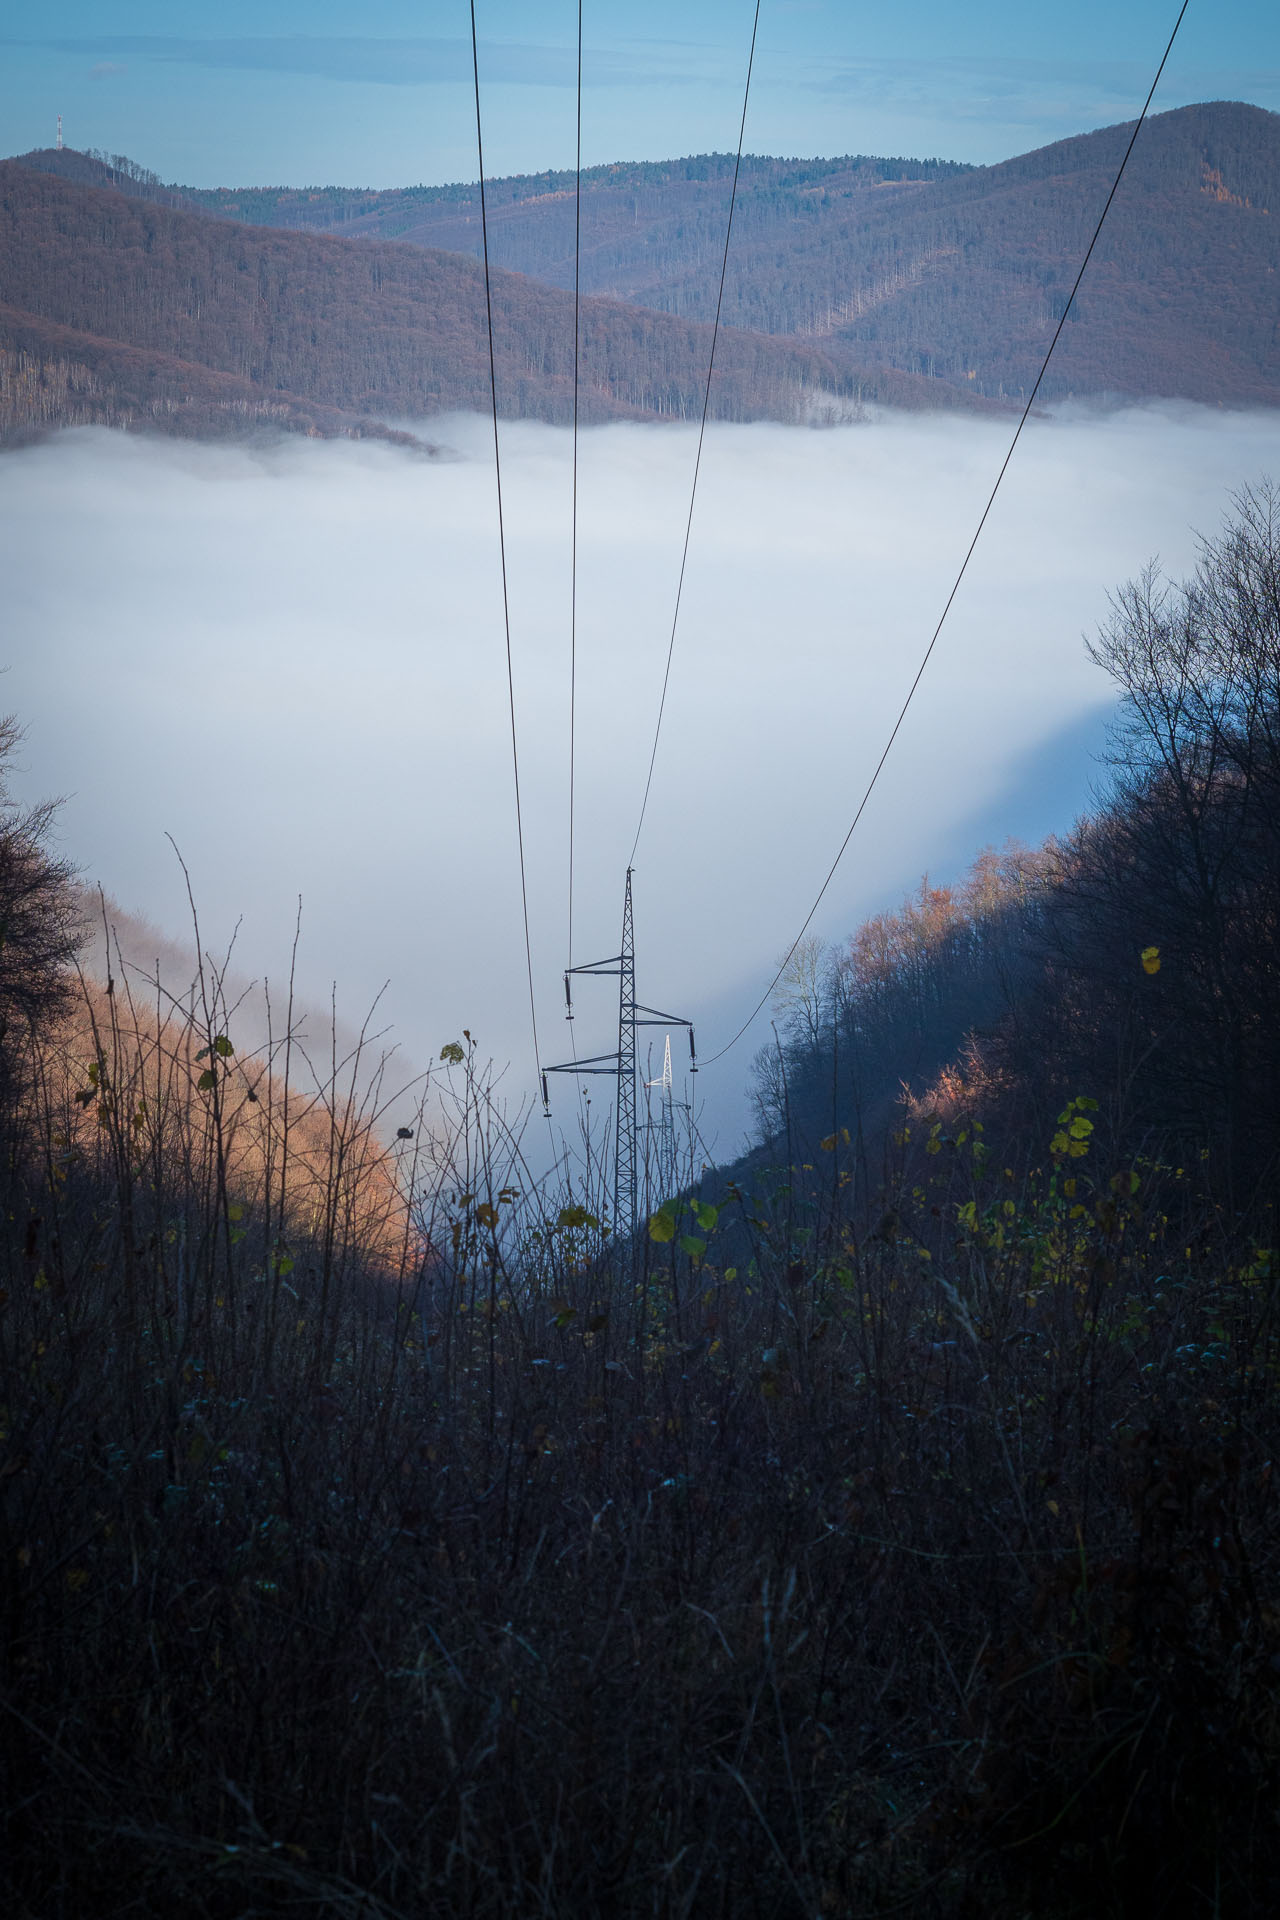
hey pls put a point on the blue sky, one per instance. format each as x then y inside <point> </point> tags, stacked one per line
<point>283,92</point>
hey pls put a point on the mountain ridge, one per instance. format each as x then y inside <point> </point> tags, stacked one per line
<point>918,284</point>
<point>957,273</point>
<point>328,334</point>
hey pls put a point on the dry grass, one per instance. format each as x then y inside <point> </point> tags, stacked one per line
<point>378,1543</point>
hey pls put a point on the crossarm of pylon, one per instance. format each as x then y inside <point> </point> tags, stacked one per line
<point>587,1066</point>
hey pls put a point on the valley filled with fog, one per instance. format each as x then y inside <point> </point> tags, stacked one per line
<point>290,657</point>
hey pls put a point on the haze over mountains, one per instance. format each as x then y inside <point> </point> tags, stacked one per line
<point>918,284</point>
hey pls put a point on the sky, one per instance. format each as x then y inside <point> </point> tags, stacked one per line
<point>285,93</point>
<point>290,657</point>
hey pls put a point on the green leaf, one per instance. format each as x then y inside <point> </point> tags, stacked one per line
<point>707,1215</point>
<point>692,1245</point>
<point>452,1053</point>
<point>575,1217</point>
<point>662,1226</point>
<point>207,1079</point>
<point>223,1047</point>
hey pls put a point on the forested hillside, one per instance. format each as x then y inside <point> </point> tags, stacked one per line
<point>147,312</point>
<point>912,283</point>
<point>1133,961</point>
<point>959,273</point>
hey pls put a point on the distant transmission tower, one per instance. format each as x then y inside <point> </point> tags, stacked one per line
<point>622,1064</point>
<point>661,1162</point>
<point>59,133</point>
<point>666,1122</point>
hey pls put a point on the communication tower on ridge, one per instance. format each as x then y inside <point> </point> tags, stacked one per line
<point>59,133</point>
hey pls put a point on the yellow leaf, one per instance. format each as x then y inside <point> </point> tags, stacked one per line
<point>1151,959</point>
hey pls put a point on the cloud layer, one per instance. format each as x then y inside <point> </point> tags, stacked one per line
<point>292,659</point>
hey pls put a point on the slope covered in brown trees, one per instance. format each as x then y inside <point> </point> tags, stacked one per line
<point>146,312</point>
<point>960,273</point>
<point>1133,960</point>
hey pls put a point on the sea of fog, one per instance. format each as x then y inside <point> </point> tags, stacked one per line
<point>290,657</point>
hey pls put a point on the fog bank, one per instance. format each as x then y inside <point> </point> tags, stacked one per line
<point>291,658</point>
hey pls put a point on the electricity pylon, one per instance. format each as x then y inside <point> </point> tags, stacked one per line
<point>660,1161</point>
<point>621,1064</point>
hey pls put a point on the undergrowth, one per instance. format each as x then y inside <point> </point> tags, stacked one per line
<point>393,1542</point>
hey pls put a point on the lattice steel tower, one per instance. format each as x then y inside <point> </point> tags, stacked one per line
<point>624,1185</point>
<point>621,1064</point>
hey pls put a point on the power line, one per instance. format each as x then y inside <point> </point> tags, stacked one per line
<point>573,564</point>
<point>964,565</point>
<point>502,542</point>
<point>706,402</point>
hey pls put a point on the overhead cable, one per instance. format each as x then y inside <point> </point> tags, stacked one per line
<point>502,544</point>
<point>573,563</point>
<point>964,565</point>
<point>706,403</point>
